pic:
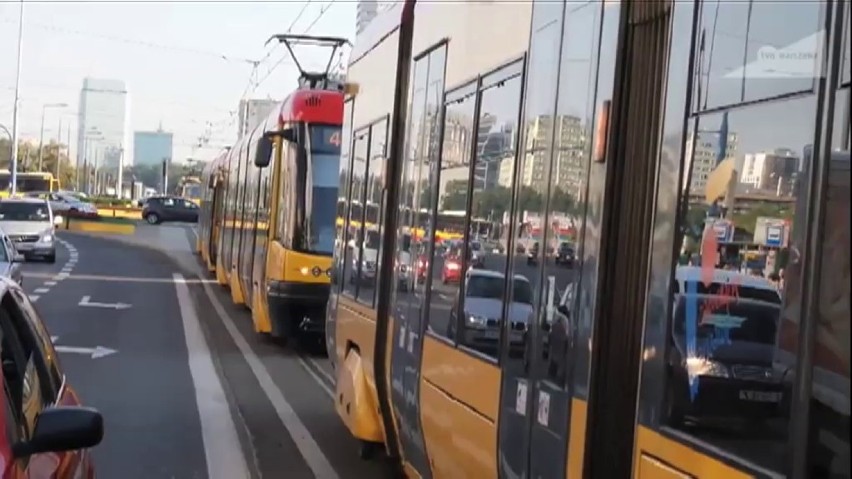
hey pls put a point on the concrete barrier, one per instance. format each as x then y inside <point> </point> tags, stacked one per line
<point>100,225</point>
<point>119,212</point>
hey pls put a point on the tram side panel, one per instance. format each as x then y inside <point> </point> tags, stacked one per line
<point>453,396</point>
<point>372,71</point>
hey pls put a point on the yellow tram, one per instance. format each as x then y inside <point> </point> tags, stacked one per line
<point>268,210</point>
<point>505,362</point>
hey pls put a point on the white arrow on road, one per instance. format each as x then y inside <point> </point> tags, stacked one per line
<point>95,353</point>
<point>85,301</point>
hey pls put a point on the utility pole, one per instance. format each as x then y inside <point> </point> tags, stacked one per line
<point>120,181</point>
<point>41,133</point>
<point>165,176</point>
<point>58,149</point>
<point>14,160</point>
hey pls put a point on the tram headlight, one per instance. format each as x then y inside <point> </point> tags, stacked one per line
<point>305,270</point>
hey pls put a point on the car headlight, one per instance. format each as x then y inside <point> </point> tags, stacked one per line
<point>48,238</point>
<point>696,366</point>
<point>477,321</point>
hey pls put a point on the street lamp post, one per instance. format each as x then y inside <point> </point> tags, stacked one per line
<point>13,181</point>
<point>41,134</point>
<point>92,135</point>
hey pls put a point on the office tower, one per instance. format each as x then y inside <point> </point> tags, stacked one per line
<point>150,147</point>
<point>103,122</point>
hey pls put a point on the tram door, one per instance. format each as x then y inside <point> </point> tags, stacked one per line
<point>215,206</point>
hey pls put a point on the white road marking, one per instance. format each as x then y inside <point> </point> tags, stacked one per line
<point>34,298</point>
<point>86,301</point>
<point>50,283</point>
<point>308,447</point>
<point>97,277</point>
<point>41,290</point>
<point>221,444</point>
<point>95,353</point>
<point>316,378</point>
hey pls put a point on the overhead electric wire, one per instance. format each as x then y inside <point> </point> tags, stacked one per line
<point>289,29</point>
<point>144,43</point>
<point>287,55</point>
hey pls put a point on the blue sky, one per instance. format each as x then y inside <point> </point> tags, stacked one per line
<point>168,54</point>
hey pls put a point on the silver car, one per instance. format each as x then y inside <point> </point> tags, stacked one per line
<point>30,223</point>
<point>63,202</point>
<point>10,259</point>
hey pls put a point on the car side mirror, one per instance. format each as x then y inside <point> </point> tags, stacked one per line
<point>63,428</point>
<point>57,220</point>
<point>19,258</point>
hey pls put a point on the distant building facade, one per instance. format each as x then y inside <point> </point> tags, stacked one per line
<point>252,112</point>
<point>151,147</point>
<point>103,120</point>
<point>365,12</point>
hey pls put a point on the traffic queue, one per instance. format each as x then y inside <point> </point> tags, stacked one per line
<point>49,430</point>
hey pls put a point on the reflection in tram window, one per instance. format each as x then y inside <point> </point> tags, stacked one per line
<point>446,261</point>
<point>373,222</point>
<point>492,186</point>
<point>754,50</point>
<point>729,370</point>
<point>410,189</point>
<point>479,327</point>
<point>568,177</point>
<point>343,195</point>
<point>354,274</point>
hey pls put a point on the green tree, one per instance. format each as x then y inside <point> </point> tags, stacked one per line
<point>28,160</point>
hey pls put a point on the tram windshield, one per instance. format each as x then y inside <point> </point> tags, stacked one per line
<point>324,180</point>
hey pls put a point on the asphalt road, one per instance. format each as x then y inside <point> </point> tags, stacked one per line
<point>186,388</point>
<point>140,378</point>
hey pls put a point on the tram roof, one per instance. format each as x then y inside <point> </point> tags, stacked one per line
<point>310,106</point>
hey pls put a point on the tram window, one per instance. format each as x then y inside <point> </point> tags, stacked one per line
<point>343,194</point>
<point>493,181</point>
<point>354,272</point>
<point>373,221</point>
<point>410,207</point>
<point>754,50</point>
<point>730,350</point>
<point>447,262</point>
<point>568,175</point>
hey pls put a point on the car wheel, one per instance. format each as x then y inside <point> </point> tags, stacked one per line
<point>152,218</point>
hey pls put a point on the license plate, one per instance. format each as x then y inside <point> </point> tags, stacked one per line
<point>760,396</point>
<point>492,334</point>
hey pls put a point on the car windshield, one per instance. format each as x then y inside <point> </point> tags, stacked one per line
<point>372,240</point>
<point>15,211</point>
<point>492,287</point>
<point>724,317</point>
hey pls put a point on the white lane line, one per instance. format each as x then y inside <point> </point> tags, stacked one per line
<point>221,444</point>
<point>316,378</point>
<point>308,447</point>
<point>34,297</point>
<point>41,290</point>
<point>50,283</point>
